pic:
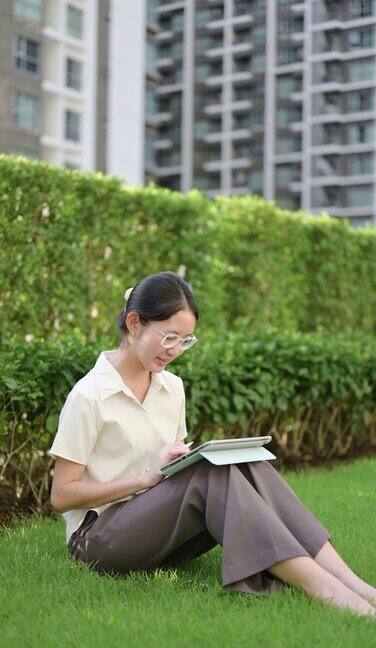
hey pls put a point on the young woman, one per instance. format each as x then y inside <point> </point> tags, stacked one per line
<point>124,420</point>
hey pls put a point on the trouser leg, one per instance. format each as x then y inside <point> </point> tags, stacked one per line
<point>218,500</point>
<point>276,492</point>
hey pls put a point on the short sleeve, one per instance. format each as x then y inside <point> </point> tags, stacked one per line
<point>182,429</point>
<point>78,429</point>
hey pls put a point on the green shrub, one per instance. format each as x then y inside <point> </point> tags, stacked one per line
<point>314,394</point>
<point>73,242</point>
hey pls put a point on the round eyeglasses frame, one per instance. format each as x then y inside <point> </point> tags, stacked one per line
<point>180,341</point>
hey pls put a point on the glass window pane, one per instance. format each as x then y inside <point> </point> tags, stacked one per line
<point>361,100</point>
<point>360,8</point>
<point>26,111</point>
<point>28,153</point>
<point>362,133</point>
<point>27,55</point>
<point>74,22</point>
<point>361,196</point>
<point>361,70</point>
<point>361,163</point>
<point>72,125</point>
<point>28,9</point>
<point>73,74</point>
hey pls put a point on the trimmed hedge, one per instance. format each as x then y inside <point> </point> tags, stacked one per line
<point>73,242</point>
<point>316,395</point>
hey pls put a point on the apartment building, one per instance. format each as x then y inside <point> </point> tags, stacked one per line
<point>275,97</point>
<point>53,89</point>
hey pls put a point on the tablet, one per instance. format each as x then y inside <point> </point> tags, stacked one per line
<point>212,446</point>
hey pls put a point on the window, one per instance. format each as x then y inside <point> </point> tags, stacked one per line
<point>286,85</point>
<point>258,63</point>
<point>286,116</point>
<point>362,100</point>
<point>289,55</point>
<point>149,149</point>
<point>332,102</point>
<point>288,144</point>
<point>206,15</point>
<point>258,34</point>
<point>242,7</point>
<point>74,23</point>
<point>256,181</point>
<point>73,74</point>
<point>287,173</point>
<point>362,70</point>
<point>27,55</point>
<point>289,25</point>
<point>362,133</point>
<point>361,196</point>
<point>242,121</point>
<point>242,36</point>
<point>72,126</point>
<point>28,153</point>
<point>361,38</point>
<point>256,147</point>
<point>333,41</point>
<point>331,197</point>
<point>242,64</point>
<point>361,163</point>
<point>26,111</point>
<point>326,165</point>
<point>360,8</point>
<point>28,9</point>
<point>240,177</point>
<point>205,183</point>
<point>167,158</point>
<point>177,21</point>
<point>333,72</point>
<point>241,150</point>
<point>332,134</point>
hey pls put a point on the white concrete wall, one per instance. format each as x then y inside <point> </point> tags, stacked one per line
<point>126,90</point>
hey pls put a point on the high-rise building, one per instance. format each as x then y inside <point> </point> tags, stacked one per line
<point>72,87</point>
<point>274,97</point>
<point>53,89</point>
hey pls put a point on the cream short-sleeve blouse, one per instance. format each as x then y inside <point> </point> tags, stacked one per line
<point>104,427</point>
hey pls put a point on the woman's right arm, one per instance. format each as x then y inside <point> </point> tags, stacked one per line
<point>69,492</point>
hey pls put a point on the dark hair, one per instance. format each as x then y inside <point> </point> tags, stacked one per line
<point>158,297</point>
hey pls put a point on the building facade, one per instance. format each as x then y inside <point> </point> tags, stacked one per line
<point>274,97</point>
<point>53,86</point>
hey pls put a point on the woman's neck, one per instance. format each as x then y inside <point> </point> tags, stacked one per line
<point>129,367</point>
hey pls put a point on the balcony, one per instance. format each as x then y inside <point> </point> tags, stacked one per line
<point>163,144</point>
<point>236,21</point>
<point>236,106</point>
<point>164,63</point>
<point>170,6</point>
<point>217,165</point>
<point>164,36</point>
<point>163,172</point>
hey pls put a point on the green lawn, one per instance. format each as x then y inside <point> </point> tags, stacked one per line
<point>48,600</point>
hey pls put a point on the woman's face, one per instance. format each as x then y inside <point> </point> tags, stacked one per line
<point>147,341</point>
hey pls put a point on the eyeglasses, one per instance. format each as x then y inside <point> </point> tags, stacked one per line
<point>171,339</point>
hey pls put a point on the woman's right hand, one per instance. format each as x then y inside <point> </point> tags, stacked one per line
<point>166,454</point>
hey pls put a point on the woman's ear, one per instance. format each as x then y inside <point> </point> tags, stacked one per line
<point>133,323</point>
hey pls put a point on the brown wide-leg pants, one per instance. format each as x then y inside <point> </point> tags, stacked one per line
<point>247,508</point>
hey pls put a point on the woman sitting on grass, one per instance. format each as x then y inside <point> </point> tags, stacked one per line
<point>124,420</point>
